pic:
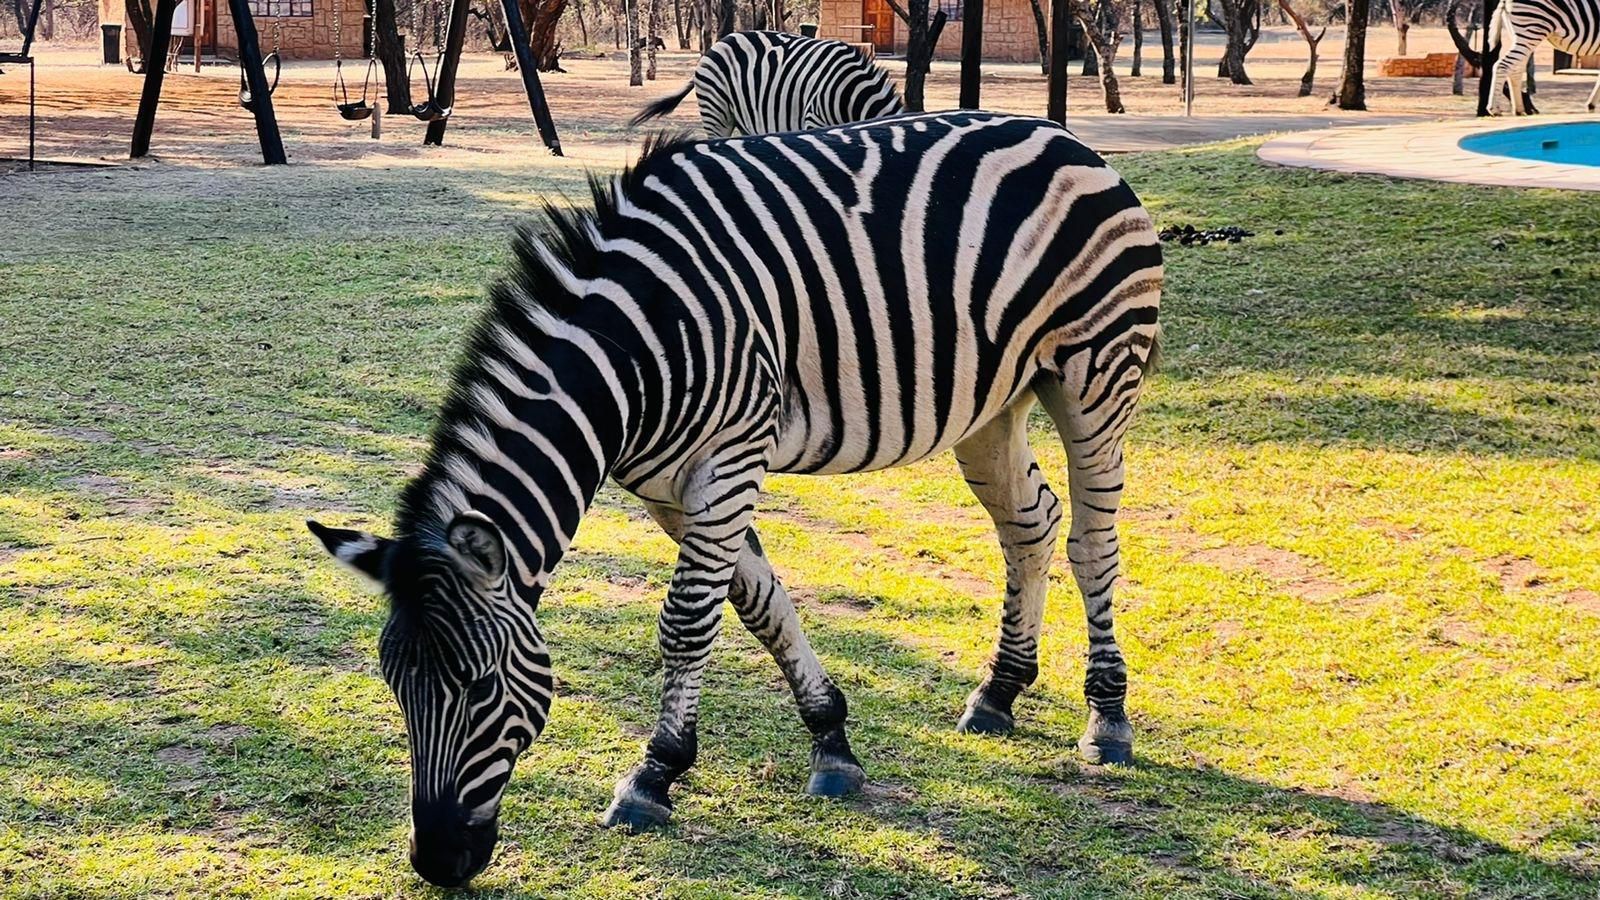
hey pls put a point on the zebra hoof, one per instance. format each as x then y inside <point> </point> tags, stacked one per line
<point>1106,753</point>
<point>636,814</point>
<point>1108,739</point>
<point>983,717</point>
<point>839,782</point>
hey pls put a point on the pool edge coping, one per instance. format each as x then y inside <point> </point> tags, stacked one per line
<point>1384,149</point>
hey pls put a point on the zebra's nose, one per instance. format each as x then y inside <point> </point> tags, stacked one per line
<point>444,863</point>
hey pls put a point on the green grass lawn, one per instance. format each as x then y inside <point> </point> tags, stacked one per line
<point>1360,612</point>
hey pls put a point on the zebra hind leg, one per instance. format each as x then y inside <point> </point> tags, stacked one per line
<point>1000,469</point>
<point>1594,96</point>
<point>1092,427</point>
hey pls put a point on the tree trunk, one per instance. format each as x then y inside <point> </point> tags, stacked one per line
<point>725,11</point>
<point>922,37</point>
<point>1402,24</point>
<point>391,55</point>
<point>583,26</point>
<point>544,39</point>
<point>1236,18</point>
<point>1138,40</point>
<point>635,75</point>
<point>1164,13</point>
<point>1105,51</point>
<point>1044,36</point>
<point>1311,42</point>
<point>1183,45</point>
<point>654,30</point>
<point>1352,86</point>
<point>138,16</point>
<point>680,25</point>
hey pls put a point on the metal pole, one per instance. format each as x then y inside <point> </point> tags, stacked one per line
<point>256,78</point>
<point>1188,58</point>
<point>445,90</point>
<point>30,113</point>
<point>1060,37</point>
<point>530,76</point>
<point>1491,55</point>
<point>971,52</point>
<point>145,121</point>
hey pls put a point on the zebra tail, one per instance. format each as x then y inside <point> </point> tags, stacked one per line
<point>1497,27</point>
<point>660,107</point>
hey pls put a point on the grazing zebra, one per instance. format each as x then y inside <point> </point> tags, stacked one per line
<point>830,301</point>
<point>761,82</point>
<point>1572,26</point>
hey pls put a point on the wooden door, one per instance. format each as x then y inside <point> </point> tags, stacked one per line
<point>880,16</point>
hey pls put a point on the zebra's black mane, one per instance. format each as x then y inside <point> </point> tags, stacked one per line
<point>566,235</point>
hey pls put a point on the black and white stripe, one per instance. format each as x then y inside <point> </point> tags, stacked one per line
<point>1571,26</point>
<point>765,82</point>
<point>831,301</point>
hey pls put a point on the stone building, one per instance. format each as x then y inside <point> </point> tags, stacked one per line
<point>300,29</point>
<point>1009,30</point>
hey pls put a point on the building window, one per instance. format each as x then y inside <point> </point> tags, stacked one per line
<point>281,9</point>
<point>950,8</point>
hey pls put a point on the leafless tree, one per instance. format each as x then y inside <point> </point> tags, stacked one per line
<point>922,37</point>
<point>1138,40</point>
<point>1352,87</point>
<point>1402,23</point>
<point>1099,27</point>
<point>1241,19</point>
<point>1164,13</point>
<point>1044,36</point>
<point>653,38</point>
<point>635,75</point>
<point>1311,43</point>
<point>544,38</point>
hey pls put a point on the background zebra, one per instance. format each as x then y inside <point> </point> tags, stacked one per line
<point>1572,26</point>
<point>832,301</point>
<point>762,82</point>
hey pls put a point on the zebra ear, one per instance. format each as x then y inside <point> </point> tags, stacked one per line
<point>478,546</point>
<point>365,553</point>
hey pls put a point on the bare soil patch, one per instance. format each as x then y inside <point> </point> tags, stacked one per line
<point>1297,574</point>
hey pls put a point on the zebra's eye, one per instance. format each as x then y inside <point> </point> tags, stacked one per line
<point>480,691</point>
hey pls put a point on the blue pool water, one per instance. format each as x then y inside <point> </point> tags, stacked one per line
<point>1572,143</point>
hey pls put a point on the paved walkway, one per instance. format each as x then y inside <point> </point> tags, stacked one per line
<point>1429,150</point>
<point>1134,134</point>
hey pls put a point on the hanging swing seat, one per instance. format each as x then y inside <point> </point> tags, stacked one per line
<point>248,101</point>
<point>429,110</point>
<point>353,110</point>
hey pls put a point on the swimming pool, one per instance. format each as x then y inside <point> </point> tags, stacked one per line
<point>1570,143</point>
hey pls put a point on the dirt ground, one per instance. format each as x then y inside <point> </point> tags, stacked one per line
<point>86,110</point>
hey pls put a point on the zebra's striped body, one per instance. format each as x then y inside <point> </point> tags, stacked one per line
<point>831,301</point>
<point>1571,26</point>
<point>765,82</point>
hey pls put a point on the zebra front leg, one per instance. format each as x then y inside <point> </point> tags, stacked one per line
<point>999,466</point>
<point>1092,423</point>
<point>709,547</point>
<point>1594,96</point>
<point>767,612</point>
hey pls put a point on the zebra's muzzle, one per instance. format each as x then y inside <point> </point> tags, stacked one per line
<point>448,852</point>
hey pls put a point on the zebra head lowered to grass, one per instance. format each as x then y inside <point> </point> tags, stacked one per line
<point>764,82</point>
<point>1519,26</point>
<point>831,301</point>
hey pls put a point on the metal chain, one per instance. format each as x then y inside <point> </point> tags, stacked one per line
<point>338,34</point>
